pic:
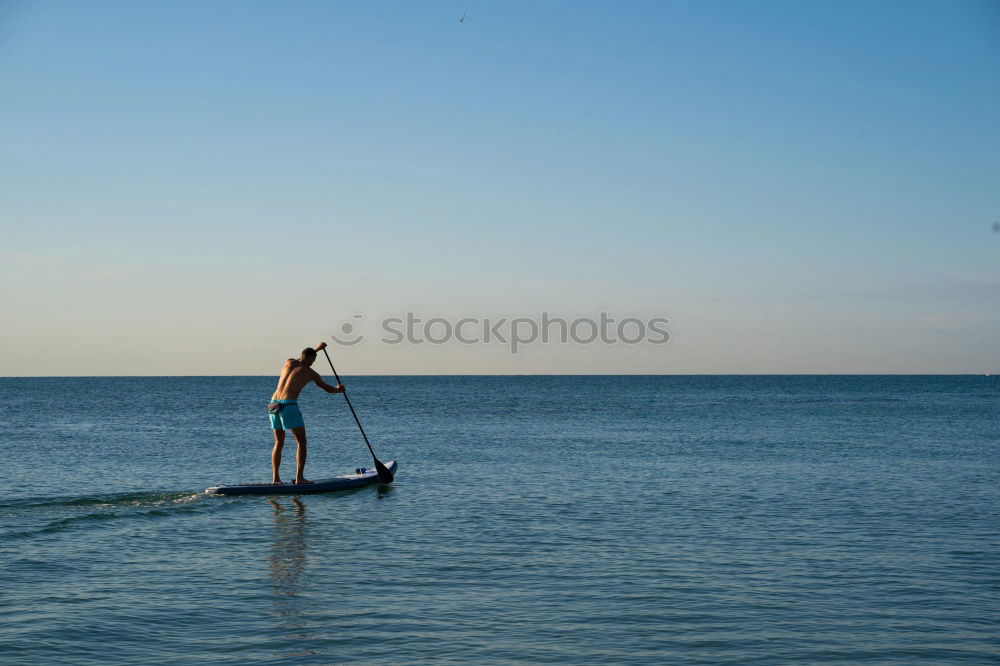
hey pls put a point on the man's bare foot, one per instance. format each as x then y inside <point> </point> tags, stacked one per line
<point>298,481</point>
<point>277,482</point>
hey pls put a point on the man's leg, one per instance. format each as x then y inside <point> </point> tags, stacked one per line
<point>300,454</point>
<point>279,441</point>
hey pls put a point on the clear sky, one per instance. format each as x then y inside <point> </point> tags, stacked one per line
<point>208,187</point>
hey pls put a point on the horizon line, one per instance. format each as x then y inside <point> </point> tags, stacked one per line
<point>549,374</point>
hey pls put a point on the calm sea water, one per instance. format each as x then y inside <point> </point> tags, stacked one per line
<point>681,520</point>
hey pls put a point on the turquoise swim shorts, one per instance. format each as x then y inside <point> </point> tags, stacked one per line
<point>288,416</point>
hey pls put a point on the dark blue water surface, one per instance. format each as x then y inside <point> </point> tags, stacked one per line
<point>682,520</point>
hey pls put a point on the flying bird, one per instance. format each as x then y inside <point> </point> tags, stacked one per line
<point>462,20</point>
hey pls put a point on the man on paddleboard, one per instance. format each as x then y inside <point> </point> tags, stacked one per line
<point>284,409</point>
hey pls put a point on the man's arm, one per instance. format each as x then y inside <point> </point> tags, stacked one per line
<point>339,388</point>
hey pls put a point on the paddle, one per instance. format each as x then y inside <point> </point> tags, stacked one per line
<point>384,475</point>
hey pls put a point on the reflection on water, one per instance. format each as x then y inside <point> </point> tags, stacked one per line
<point>285,564</point>
<point>288,552</point>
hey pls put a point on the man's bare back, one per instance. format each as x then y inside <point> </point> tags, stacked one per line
<point>295,375</point>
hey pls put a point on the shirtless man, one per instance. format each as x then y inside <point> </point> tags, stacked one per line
<point>284,409</point>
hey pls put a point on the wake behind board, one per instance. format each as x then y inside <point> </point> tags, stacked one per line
<point>369,476</point>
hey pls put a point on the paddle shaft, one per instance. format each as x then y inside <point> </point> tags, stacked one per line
<point>349,405</point>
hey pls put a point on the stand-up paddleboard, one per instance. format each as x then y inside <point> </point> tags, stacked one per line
<point>367,477</point>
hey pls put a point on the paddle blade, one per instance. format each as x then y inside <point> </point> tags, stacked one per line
<point>384,475</point>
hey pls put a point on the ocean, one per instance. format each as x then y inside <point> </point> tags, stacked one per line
<point>534,519</point>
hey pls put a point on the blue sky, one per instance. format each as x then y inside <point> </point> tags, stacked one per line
<point>205,188</point>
